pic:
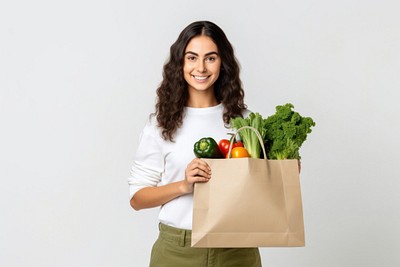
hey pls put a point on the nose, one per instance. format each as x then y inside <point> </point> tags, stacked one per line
<point>201,66</point>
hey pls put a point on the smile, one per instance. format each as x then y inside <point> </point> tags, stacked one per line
<point>200,78</point>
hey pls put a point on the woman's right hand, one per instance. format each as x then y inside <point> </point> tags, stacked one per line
<point>197,171</point>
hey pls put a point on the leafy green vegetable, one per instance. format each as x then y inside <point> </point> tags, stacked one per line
<point>249,137</point>
<point>286,131</point>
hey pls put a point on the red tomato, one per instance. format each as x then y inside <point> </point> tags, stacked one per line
<point>239,152</point>
<point>223,146</point>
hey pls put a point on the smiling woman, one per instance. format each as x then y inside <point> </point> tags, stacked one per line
<point>200,92</point>
<point>201,69</point>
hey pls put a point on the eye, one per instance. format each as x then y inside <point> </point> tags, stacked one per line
<point>211,59</point>
<point>191,58</point>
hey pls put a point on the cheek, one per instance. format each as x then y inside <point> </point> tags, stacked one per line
<point>186,73</point>
<point>217,70</point>
<point>187,69</point>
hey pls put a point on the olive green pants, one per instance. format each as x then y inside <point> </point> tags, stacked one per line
<point>172,249</point>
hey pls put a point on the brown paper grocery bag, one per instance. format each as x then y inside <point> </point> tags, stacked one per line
<point>249,203</point>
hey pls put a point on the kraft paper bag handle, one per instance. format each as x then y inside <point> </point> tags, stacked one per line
<point>259,139</point>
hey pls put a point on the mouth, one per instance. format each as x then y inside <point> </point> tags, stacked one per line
<point>200,78</point>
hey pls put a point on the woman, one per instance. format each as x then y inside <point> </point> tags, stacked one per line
<point>200,92</point>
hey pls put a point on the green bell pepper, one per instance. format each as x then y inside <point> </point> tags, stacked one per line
<point>207,147</point>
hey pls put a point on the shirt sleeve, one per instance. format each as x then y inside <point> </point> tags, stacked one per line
<point>148,162</point>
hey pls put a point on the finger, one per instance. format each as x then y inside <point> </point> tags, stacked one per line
<point>198,173</point>
<point>201,173</point>
<point>200,179</point>
<point>202,165</point>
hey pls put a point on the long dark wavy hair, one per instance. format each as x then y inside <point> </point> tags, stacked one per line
<point>172,94</point>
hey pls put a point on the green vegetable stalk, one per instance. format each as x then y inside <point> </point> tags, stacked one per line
<point>249,137</point>
<point>286,131</point>
<point>207,147</point>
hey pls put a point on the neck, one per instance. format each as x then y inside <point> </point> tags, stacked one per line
<point>202,103</point>
<point>202,100</point>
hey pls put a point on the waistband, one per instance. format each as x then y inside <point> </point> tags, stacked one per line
<point>180,237</point>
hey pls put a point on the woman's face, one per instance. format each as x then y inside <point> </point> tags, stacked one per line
<point>202,64</point>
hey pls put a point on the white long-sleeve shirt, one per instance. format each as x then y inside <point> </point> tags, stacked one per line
<point>159,162</point>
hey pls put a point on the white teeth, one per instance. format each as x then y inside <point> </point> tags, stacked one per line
<point>200,77</point>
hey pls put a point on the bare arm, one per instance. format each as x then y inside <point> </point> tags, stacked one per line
<point>150,197</point>
<point>197,171</point>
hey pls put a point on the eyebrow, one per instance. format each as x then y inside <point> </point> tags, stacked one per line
<point>206,55</point>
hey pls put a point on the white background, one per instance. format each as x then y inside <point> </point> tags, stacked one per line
<point>78,79</point>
